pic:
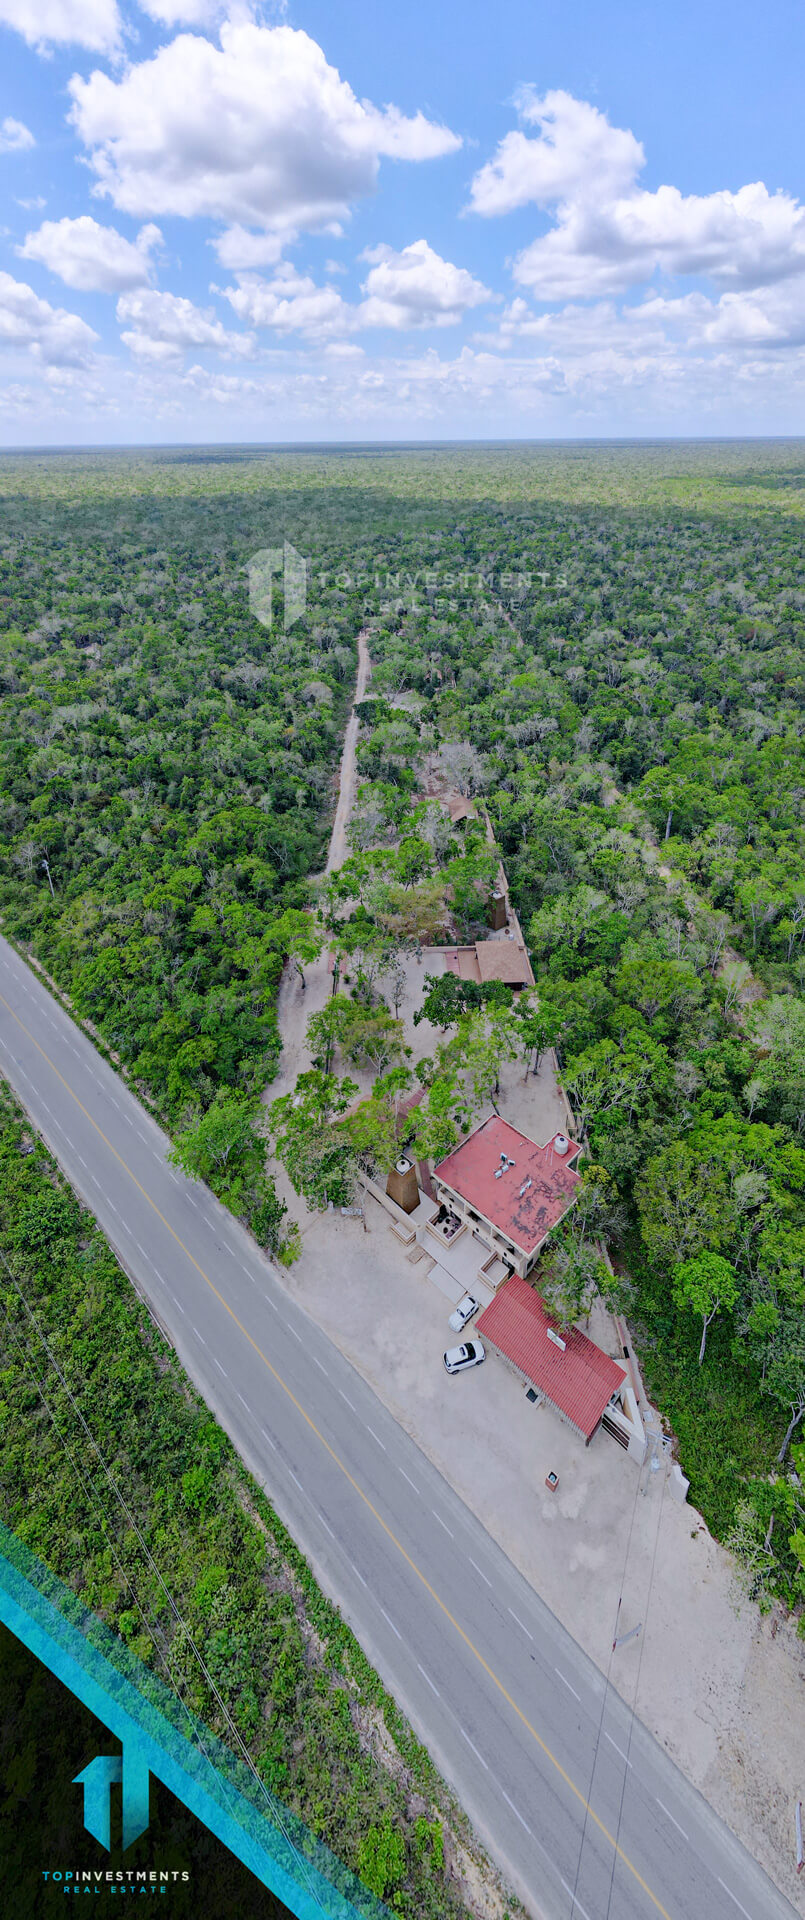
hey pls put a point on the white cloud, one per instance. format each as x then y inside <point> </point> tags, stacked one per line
<point>82,23</point>
<point>226,389</point>
<point>289,303</point>
<point>161,326</point>
<point>409,289</point>
<point>416,288</point>
<point>15,137</point>
<point>576,150</point>
<point>609,234</point>
<point>240,250</point>
<point>93,258</point>
<point>184,13</point>
<point>260,132</point>
<point>50,333</point>
<point>767,319</point>
<point>742,239</point>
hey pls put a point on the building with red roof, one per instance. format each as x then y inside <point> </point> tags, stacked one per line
<point>510,1191</point>
<point>561,1364</point>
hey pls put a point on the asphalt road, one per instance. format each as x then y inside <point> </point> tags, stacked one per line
<point>581,1807</point>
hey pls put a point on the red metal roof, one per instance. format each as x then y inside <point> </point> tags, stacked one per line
<point>579,1382</point>
<point>529,1197</point>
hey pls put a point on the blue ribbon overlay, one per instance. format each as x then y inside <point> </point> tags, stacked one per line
<point>160,1736</point>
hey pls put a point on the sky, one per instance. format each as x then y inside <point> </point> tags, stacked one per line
<point>361,221</point>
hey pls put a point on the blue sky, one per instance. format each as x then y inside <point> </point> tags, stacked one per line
<point>313,222</point>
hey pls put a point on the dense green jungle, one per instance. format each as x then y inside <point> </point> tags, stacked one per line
<point>602,646</point>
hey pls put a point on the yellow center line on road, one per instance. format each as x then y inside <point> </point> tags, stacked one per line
<point>344,1469</point>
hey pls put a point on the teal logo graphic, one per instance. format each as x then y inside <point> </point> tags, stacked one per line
<point>160,1737</point>
<point>103,1773</point>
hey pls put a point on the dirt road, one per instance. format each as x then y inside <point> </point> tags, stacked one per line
<point>346,791</point>
<point>297,1001</point>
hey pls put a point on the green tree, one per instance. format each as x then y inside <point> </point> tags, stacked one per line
<point>612,1079</point>
<point>224,1148</point>
<point>572,1274</point>
<point>316,1153</point>
<point>685,1205</point>
<point>298,937</point>
<point>706,1283</point>
<point>367,1036</point>
<point>221,1144</point>
<point>778,1027</point>
<point>374,1128</point>
<point>381,1860</point>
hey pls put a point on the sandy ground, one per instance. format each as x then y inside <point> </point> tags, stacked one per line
<point>720,1687</point>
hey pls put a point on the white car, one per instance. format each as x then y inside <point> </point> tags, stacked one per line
<point>470,1355</point>
<point>464,1312</point>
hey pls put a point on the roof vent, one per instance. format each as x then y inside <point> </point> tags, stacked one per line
<point>525,1186</point>
<point>561,1144</point>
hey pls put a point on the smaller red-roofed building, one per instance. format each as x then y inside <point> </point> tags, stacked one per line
<point>562,1366</point>
<point>511,1192</point>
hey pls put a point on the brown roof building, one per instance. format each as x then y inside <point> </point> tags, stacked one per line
<point>504,960</point>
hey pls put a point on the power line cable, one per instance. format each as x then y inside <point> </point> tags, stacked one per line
<point>633,1713</point>
<point>574,1901</point>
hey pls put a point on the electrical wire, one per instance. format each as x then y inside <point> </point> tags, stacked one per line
<point>574,1902</point>
<point>633,1715</point>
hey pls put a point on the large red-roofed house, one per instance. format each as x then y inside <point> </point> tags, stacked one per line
<point>509,1190</point>
<point>566,1368</point>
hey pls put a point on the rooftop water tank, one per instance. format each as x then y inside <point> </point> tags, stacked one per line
<point>561,1144</point>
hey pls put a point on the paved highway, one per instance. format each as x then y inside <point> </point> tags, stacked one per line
<point>584,1811</point>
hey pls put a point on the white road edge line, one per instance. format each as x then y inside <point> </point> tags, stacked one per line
<point>520,1623</point>
<point>669,1816</point>
<point>723,1883</point>
<point>614,1743</point>
<point>474,1563</point>
<point>471,1743</point>
<point>515,1811</point>
<point>577,1906</point>
<point>426,1676</point>
<point>566,1683</point>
